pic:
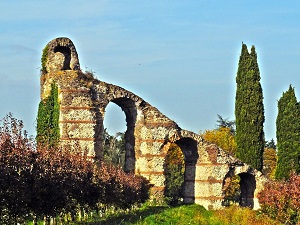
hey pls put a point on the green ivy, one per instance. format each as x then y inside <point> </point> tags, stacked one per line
<point>44,59</point>
<point>48,133</point>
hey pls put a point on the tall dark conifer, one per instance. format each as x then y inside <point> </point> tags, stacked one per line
<point>288,135</point>
<point>249,110</point>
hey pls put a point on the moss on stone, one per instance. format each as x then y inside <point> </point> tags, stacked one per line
<point>44,59</point>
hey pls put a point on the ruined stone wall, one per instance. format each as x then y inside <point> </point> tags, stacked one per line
<point>149,133</point>
<point>77,113</point>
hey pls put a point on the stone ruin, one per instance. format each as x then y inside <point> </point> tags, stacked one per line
<point>149,133</point>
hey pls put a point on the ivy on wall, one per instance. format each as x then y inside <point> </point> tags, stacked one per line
<point>48,133</point>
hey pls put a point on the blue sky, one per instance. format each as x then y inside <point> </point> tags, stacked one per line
<point>180,56</point>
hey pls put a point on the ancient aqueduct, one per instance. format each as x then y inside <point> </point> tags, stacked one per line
<point>149,133</point>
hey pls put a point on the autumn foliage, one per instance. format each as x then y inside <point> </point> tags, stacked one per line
<point>222,137</point>
<point>281,200</point>
<point>45,182</point>
<point>270,160</point>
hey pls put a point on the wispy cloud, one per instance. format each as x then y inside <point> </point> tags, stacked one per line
<point>21,49</point>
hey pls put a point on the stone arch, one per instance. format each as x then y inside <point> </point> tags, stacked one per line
<point>190,152</point>
<point>62,55</point>
<point>128,107</point>
<point>247,185</point>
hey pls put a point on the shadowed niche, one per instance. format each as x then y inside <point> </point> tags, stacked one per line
<point>67,56</point>
<point>190,152</point>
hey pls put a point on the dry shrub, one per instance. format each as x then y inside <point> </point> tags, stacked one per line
<point>235,215</point>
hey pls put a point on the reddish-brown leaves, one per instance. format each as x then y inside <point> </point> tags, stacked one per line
<point>46,182</point>
<point>281,199</point>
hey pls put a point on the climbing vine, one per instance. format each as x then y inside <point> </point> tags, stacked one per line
<point>48,132</point>
<point>44,59</point>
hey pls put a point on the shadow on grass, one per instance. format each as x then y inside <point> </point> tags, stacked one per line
<point>128,218</point>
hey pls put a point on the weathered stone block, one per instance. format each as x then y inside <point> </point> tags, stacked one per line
<point>218,172</point>
<point>77,130</point>
<point>208,189</point>
<point>79,114</point>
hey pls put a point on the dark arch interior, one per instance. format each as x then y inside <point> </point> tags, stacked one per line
<point>67,54</point>
<point>248,186</point>
<point>189,149</point>
<point>245,191</point>
<point>190,152</point>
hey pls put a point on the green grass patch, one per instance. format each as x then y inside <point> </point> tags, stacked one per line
<point>235,215</point>
<point>185,214</point>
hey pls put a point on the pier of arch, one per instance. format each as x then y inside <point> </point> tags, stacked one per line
<point>83,100</point>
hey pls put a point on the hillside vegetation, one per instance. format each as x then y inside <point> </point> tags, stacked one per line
<point>185,214</point>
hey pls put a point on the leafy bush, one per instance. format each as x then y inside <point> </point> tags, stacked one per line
<point>174,175</point>
<point>233,191</point>
<point>15,155</point>
<point>281,200</point>
<point>47,182</point>
<point>122,189</point>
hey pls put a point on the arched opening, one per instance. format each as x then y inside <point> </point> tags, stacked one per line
<point>67,56</point>
<point>174,169</point>
<point>239,189</point>
<point>190,152</point>
<point>114,132</point>
<point>129,108</point>
<point>248,186</point>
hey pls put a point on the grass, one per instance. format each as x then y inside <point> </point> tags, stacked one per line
<point>186,214</point>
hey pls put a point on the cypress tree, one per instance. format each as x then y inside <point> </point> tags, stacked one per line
<point>288,133</point>
<point>249,110</point>
<point>48,132</point>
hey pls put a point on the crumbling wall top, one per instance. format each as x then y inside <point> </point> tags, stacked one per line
<point>60,54</point>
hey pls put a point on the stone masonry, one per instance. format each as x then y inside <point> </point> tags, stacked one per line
<point>149,133</point>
